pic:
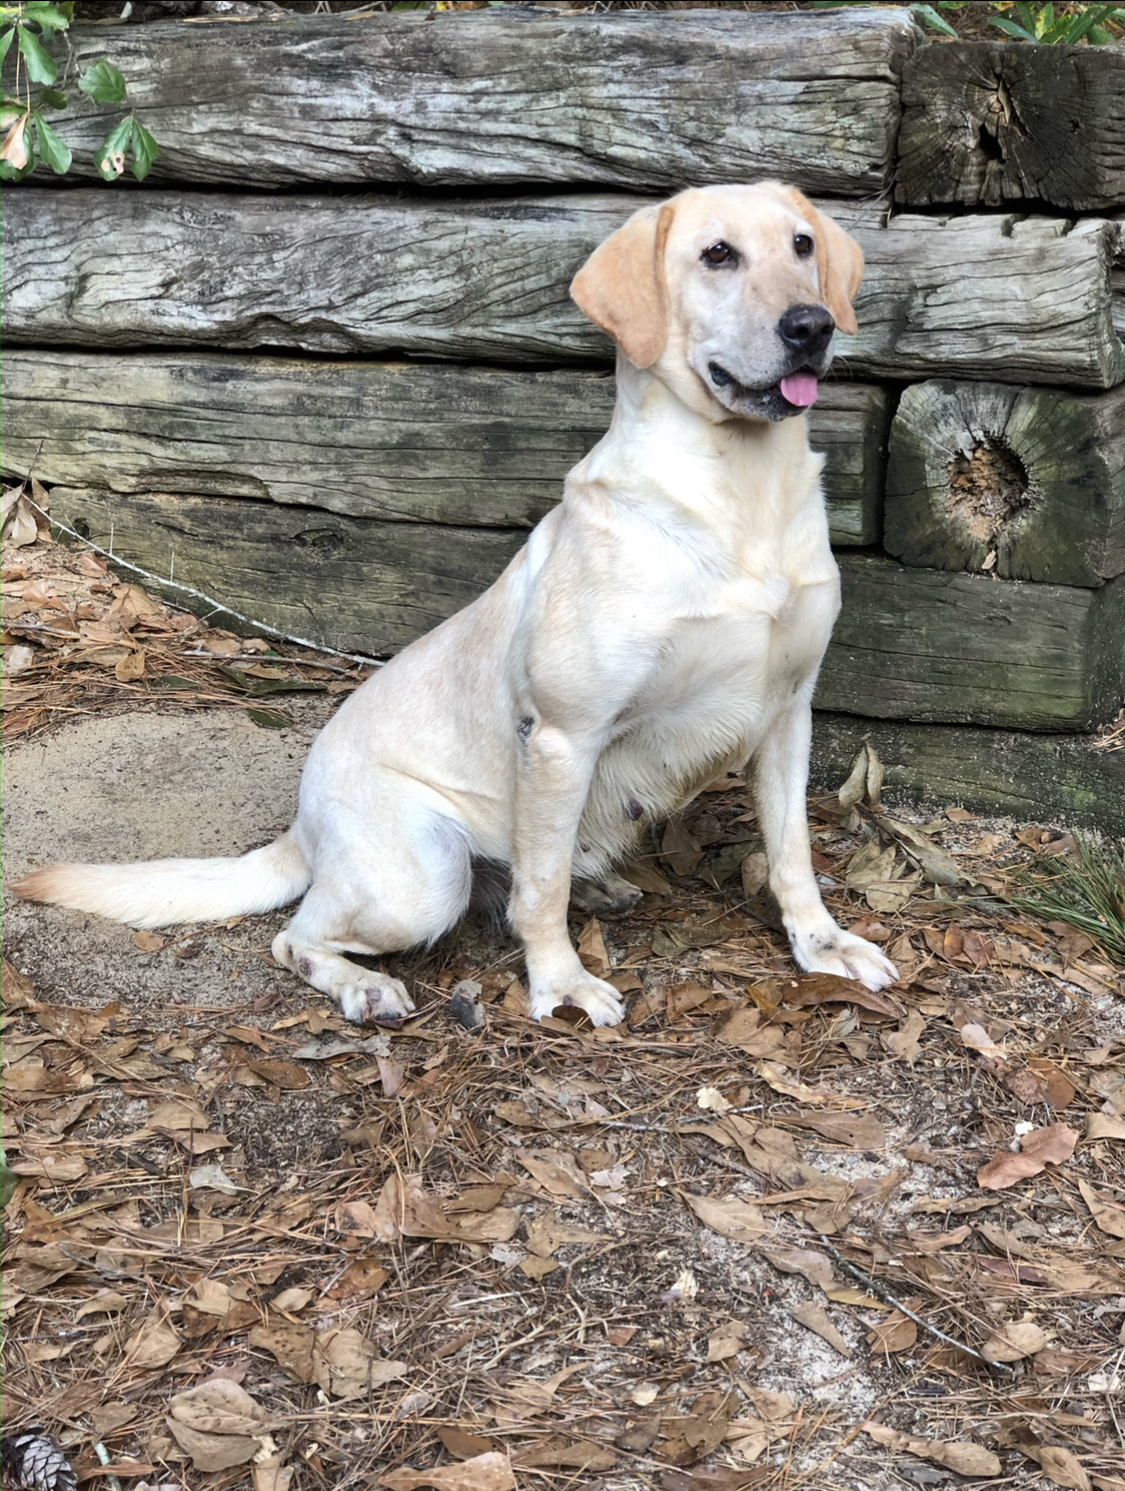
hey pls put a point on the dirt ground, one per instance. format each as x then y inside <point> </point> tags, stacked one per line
<point>772,1231</point>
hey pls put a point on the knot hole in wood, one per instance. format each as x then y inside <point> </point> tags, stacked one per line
<point>988,488</point>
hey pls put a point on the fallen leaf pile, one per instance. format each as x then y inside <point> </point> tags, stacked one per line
<point>76,640</point>
<point>771,1230</point>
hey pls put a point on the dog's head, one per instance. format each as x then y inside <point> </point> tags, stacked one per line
<point>729,294</point>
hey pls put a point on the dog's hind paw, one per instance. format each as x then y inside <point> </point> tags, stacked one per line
<point>378,1000</point>
<point>600,1000</point>
<point>604,897</point>
<point>832,950</point>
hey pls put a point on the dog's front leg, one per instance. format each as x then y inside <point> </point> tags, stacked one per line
<point>553,778</point>
<point>819,945</point>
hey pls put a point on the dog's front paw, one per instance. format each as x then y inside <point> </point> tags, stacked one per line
<point>600,1000</point>
<point>832,950</point>
<point>378,1000</point>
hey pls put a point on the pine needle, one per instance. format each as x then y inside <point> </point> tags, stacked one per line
<point>1085,889</point>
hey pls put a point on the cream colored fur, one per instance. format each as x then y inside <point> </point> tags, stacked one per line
<point>666,620</point>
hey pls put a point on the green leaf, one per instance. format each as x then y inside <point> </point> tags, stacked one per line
<point>103,82</point>
<point>52,150</point>
<point>1010,28</point>
<point>6,41</point>
<point>938,23</point>
<point>40,64</point>
<point>114,144</point>
<point>52,98</point>
<point>145,150</point>
<point>48,17</point>
<point>9,1180</point>
<point>1027,17</point>
<point>270,719</point>
<point>257,687</point>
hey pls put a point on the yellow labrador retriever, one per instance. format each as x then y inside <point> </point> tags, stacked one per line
<point>667,620</point>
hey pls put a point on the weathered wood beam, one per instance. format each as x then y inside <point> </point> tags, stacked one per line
<point>1050,779</point>
<point>991,124</point>
<point>969,297</point>
<point>1030,481</point>
<point>654,101</point>
<point>357,584</point>
<point>929,646</point>
<point>471,446</point>
<point>910,644</point>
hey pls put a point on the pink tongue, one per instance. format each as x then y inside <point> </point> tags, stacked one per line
<point>800,389</point>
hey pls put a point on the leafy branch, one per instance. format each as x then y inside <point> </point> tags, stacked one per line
<point>28,137</point>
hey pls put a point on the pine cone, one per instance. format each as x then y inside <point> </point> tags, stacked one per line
<point>32,1461</point>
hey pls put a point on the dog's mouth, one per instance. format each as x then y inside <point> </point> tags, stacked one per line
<point>790,395</point>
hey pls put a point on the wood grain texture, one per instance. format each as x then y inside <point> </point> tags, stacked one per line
<point>991,124</point>
<point>471,446</point>
<point>653,101</point>
<point>979,296</point>
<point>356,584</point>
<point>928,646</point>
<point>1033,477</point>
<point>910,644</point>
<point>1049,779</point>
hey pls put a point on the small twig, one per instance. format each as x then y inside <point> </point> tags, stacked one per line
<point>111,1480</point>
<point>200,595</point>
<point>891,1299</point>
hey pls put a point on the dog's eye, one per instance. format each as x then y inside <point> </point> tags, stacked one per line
<point>803,245</point>
<point>719,253</point>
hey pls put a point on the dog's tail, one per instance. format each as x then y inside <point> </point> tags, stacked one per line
<point>160,891</point>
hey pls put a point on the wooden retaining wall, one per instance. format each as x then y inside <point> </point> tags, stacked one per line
<point>325,366</point>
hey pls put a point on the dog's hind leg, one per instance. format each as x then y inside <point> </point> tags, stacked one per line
<point>402,884</point>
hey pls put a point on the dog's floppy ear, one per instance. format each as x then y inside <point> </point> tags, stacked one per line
<point>839,263</point>
<point>622,288</point>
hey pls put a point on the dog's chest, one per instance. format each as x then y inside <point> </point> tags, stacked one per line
<point>739,657</point>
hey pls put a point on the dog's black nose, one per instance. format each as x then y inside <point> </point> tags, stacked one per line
<point>806,328</point>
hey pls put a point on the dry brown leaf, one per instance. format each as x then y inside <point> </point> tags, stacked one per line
<point>285,1074</point>
<point>779,1079</point>
<point>547,1233</point>
<point>488,1472</point>
<point>154,1345</point>
<point>220,1407</point>
<point>815,1317</point>
<point>213,1451</point>
<point>904,1042</point>
<point>679,848</point>
<point>1014,1341</point>
<point>363,1276</point>
<point>1105,1126</point>
<point>344,1364</point>
<point>897,1333</point>
<point>830,988</point>
<point>592,949</point>
<point>463,1445</point>
<point>567,1454</point>
<point>727,1340</point>
<point>1042,1147</point>
<point>814,1266</point>
<point>934,1242</point>
<point>290,1344</point>
<point>498,1225</point>
<point>356,1219</point>
<point>857,1130</point>
<point>131,667</point>
<point>272,1474</point>
<point>555,1172</point>
<point>1110,1218</point>
<point>964,1459</point>
<point>739,1220</point>
<point>1059,1466</point>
